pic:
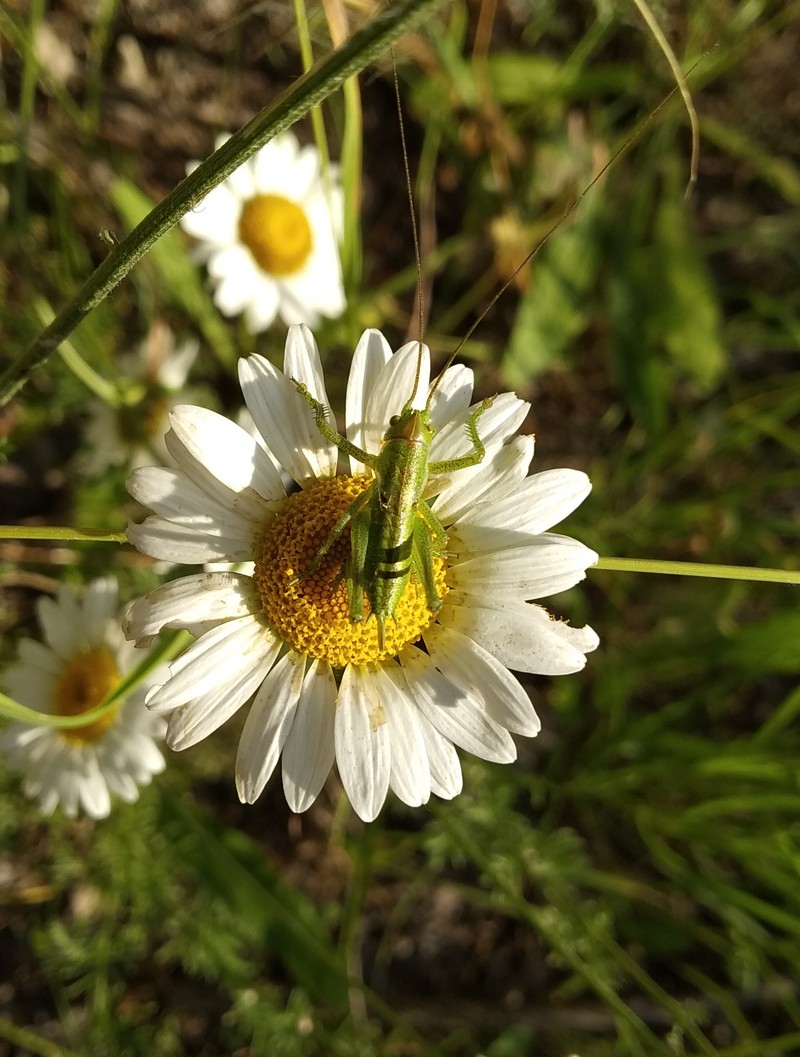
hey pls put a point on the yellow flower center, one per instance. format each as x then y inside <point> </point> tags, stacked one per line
<point>277,233</point>
<point>81,686</point>
<point>311,612</point>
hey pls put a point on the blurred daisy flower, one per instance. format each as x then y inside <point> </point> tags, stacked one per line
<point>152,380</point>
<point>83,657</point>
<point>326,689</point>
<point>268,234</point>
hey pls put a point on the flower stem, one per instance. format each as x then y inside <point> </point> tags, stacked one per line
<point>715,572</point>
<point>166,650</point>
<point>65,533</point>
<point>61,533</point>
<point>308,91</point>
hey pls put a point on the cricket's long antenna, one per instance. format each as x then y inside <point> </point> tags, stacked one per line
<point>561,220</point>
<point>414,228</point>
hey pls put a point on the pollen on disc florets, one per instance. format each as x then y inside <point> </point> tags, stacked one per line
<point>311,612</point>
<point>81,687</point>
<point>277,233</point>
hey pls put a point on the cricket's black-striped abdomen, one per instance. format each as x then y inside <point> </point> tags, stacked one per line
<point>403,474</point>
<point>393,555</point>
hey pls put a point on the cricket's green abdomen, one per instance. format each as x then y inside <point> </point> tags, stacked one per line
<point>402,472</point>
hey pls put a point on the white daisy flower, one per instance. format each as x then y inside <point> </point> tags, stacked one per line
<point>325,689</point>
<point>133,434</point>
<point>83,657</point>
<point>269,236</point>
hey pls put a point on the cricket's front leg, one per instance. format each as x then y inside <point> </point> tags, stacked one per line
<point>478,447</point>
<point>327,430</point>
<point>350,515</point>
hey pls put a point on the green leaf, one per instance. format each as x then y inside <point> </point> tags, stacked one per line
<point>772,645</point>
<point>517,78</point>
<point>639,372</point>
<point>287,922</point>
<point>663,308</point>
<point>553,309</point>
<point>686,311</point>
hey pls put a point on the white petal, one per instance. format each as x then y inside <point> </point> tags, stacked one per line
<point>539,503</point>
<point>410,777</point>
<point>363,747</point>
<point>100,604</point>
<point>69,792</point>
<point>93,791</point>
<point>177,544</point>
<point>315,291</point>
<point>546,565</point>
<point>150,759</point>
<point>286,421</point>
<point>201,598</point>
<point>584,639</point>
<point>242,181</point>
<point>174,497</point>
<point>370,357</point>
<point>273,166</point>
<point>193,722</point>
<point>469,666</point>
<point>124,786</point>
<point>213,451</point>
<point>301,363</point>
<point>445,767</point>
<point>232,298</point>
<point>393,390</point>
<point>501,473</point>
<point>62,624</point>
<point>305,172</point>
<point>323,265</point>
<point>216,660</point>
<point>309,751</point>
<point>497,424</point>
<point>453,395</point>
<point>128,758</point>
<point>412,364</point>
<point>174,368</point>
<point>36,655</point>
<point>44,755</point>
<point>262,308</point>
<point>268,725</point>
<point>293,307</point>
<point>459,716</point>
<point>230,262</point>
<point>521,636</point>
<point>31,686</point>
<point>319,284</point>
<point>215,219</point>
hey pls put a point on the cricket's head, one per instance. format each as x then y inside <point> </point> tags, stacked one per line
<point>412,425</point>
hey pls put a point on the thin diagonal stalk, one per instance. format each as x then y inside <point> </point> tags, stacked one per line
<point>309,90</point>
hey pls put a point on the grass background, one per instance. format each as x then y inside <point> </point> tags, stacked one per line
<point>631,885</point>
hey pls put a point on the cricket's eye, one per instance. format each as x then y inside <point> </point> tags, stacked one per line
<point>394,420</point>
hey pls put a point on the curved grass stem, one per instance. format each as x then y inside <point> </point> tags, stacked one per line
<point>308,91</point>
